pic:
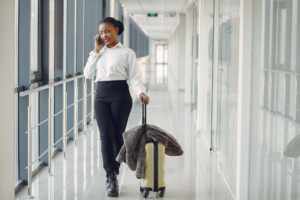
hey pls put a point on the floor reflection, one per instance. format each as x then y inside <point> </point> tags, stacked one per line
<point>76,173</point>
<point>50,187</point>
<point>81,176</point>
<point>65,178</point>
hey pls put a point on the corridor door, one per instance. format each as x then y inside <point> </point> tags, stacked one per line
<point>227,83</point>
<point>161,63</point>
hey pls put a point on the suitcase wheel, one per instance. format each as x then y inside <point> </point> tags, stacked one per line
<point>141,189</point>
<point>162,192</point>
<point>146,193</point>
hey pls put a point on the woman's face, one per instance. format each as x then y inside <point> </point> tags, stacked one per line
<point>109,34</point>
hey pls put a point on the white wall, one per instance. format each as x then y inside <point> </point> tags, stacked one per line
<point>182,50</point>
<point>188,56</point>
<point>177,59</point>
<point>7,76</point>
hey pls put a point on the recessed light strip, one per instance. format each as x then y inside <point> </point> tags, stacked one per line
<point>134,19</point>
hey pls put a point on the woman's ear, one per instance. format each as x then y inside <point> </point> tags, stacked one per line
<point>117,30</point>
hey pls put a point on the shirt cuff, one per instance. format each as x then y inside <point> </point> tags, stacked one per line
<point>140,92</point>
<point>95,54</point>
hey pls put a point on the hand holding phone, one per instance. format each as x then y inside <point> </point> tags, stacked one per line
<point>98,43</point>
<point>99,40</point>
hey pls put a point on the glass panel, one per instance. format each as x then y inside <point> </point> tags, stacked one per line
<point>159,54</point>
<point>51,37</point>
<point>195,47</point>
<point>16,164</point>
<point>161,60</point>
<point>161,73</point>
<point>275,119</point>
<point>282,33</point>
<point>206,64</point>
<point>34,35</point>
<point>227,88</point>
<point>165,54</point>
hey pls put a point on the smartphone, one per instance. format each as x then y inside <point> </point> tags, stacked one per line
<point>99,40</point>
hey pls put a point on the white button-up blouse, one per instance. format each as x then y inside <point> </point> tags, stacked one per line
<point>116,63</point>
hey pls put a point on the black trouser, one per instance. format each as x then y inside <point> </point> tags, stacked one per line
<point>113,104</point>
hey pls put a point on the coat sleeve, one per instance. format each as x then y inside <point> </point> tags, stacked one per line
<point>122,155</point>
<point>140,164</point>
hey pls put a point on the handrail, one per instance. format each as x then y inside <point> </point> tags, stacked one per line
<point>51,116</point>
<point>44,87</point>
<point>282,71</point>
<point>58,112</point>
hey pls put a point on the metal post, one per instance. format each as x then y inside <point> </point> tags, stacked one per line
<point>49,135</point>
<point>262,100</point>
<point>270,91</point>
<point>284,95</point>
<point>92,103</point>
<point>295,106</point>
<point>98,147</point>
<point>65,120</point>
<point>84,106</point>
<point>29,169</point>
<point>75,112</point>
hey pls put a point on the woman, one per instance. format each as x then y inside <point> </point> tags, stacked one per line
<point>113,64</point>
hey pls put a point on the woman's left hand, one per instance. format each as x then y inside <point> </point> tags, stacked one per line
<point>144,96</point>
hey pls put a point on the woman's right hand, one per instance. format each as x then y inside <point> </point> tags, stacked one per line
<point>98,46</point>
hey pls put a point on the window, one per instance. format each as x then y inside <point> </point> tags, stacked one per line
<point>35,44</point>
<point>161,63</point>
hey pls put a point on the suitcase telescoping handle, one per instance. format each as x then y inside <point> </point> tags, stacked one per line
<point>144,117</point>
<point>144,112</point>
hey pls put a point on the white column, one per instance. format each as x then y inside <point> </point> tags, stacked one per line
<point>188,53</point>
<point>114,7</point>
<point>7,104</point>
<point>126,32</point>
<point>244,100</point>
<point>182,50</point>
<point>215,73</point>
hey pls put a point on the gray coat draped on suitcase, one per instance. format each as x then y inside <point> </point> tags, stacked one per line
<point>133,150</point>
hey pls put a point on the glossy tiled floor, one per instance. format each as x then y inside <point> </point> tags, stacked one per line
<point>81,175</point>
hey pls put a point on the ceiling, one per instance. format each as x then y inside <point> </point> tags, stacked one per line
<point>158,27</point>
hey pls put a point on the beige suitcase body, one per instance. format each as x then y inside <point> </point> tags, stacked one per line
<point>154,179</point>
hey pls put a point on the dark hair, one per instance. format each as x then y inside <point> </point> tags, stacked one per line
<point>114,22</point>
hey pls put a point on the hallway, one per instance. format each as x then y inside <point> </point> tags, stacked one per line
<point>223,77</point>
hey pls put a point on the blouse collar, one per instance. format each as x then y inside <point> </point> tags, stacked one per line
<point>119,44</point>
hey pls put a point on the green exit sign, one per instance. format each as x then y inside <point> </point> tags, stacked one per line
<point>152,14</point>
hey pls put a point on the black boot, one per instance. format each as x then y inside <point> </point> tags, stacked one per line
<point>112,186</point>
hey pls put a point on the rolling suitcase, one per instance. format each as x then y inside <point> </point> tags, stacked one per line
<point>154,179</point>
